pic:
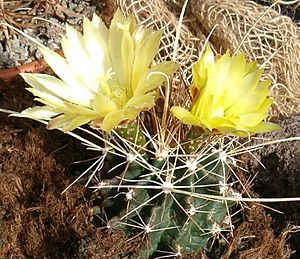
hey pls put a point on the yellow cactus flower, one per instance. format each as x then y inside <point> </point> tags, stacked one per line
<point>105,78</point>
<point>227,96</point>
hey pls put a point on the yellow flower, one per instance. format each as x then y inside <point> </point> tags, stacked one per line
<point>105,78</point>
<point>227,96</point>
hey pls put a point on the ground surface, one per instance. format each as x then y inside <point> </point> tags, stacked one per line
<point>36,166</point>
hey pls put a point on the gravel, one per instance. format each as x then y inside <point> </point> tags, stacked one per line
<point>17,49</point>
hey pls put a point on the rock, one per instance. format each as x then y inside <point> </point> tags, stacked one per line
<point>281,161</point>
<point>280,176</point>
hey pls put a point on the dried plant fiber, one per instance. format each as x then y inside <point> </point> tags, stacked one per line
<point>238,25</point>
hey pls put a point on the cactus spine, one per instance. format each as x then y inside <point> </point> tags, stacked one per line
<point>166,194</point>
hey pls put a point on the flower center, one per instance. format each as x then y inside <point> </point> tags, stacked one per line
<point>219,112</point>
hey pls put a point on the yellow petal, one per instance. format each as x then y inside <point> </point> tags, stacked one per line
<point>265,127</point>
<point>97,48</point>
<point>39,112</point>
<point>128,54</point>
<point>199,69</point>
<point>185,116</point>
<point>216,123</point>
<point>237,69</point>
<point>68,122</point>
<point>217,76</point>
<point>254,118</point>
<point>41,91</point>
<point>251,101</point>
<point>121,47</point>
<point>131,113</point>
<point>77,109</point>
<point>203,106</point>
<point>61,68</point>
<point>155,77</point>
<point>59,89</point>
<point>145,50</point>
<point>239,91</point>
<point>102,105</point>
<point>141,102</point>
<point>112,119</point>
<point>100,26</point>
<point>75,53</point>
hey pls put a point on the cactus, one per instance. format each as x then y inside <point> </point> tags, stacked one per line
<point>176,193</point>
<point>167,196</point>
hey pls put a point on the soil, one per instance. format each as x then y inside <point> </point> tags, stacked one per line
<point>36,165</point>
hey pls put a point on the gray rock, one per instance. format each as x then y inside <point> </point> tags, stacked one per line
<point>281,161</point>
<point>280,176</point>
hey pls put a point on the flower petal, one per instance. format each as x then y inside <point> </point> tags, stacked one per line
<point>141,102</point>
<point>227,96</point>
<point>101,27</point>
<point>68,122</point>
<point>155,77</point>
<point>199,69</point>
<point>97,49</point>
<point>102,105</point>
<point>112,119</point>
<point>58,88</point>
<point>76,53</point>
<point>249,103</point>
<point>254,118</point>
<point>39,112</point>
<point>265,127</point>
<point>239,91</point>
<point>185,116</point>
<point>145,50</point>
<point>121,47</point>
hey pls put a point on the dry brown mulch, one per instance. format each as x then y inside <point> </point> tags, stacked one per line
<point>255,238</point>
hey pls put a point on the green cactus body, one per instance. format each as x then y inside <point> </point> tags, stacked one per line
<point>167,202</point>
